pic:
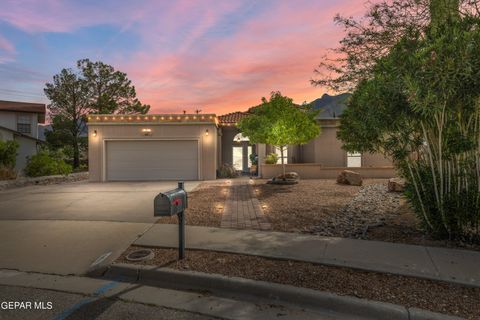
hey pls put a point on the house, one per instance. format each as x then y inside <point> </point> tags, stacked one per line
<point>194,146</point>
<point>19,122</point>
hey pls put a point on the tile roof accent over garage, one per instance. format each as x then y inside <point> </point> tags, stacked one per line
<point>232,118</point>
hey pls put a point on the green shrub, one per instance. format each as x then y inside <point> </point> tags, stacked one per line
<point>8,153</point>
<point>227,171</point>
<point>46,164</point>
<point>271,158</point>
<point>253,158</point>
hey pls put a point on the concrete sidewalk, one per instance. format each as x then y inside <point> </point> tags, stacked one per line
<point>456,266</point>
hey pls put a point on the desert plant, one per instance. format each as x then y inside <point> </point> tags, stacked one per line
<point>421,107</point>
<point>271,158</point>
<point>46,164</point>
<point>227,171</point>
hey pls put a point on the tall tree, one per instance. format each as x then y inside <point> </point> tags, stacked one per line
<point>280,123</point>
<point>110,90</point>
<point>369,39</point>
<point>419,104</point>
<point>94,88</point>
<point>69,103</point>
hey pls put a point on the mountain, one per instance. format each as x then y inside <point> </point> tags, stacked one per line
<point>331,106</point>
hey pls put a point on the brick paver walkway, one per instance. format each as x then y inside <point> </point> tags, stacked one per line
<point>242,209</point>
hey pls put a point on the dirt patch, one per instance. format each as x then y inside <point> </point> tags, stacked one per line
<point>407,291</point>
<point>205,205</point>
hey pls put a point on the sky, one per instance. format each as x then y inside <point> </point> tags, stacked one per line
<point>218,56</point>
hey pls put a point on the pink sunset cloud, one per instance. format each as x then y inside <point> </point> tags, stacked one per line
<point>219,56</point>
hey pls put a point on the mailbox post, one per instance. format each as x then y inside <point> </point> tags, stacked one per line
<point>181,225</point>
<point>173,202</point>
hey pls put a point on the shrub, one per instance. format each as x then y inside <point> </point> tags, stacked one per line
<point>253,159</point>
<point>227,171</point>
<point>8,153</point>
<point>271,158</point>
<point>46,164</point>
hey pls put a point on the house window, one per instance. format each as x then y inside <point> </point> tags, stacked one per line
<point>24,123</point>
<point>279,154</point>
<point>354,159</point>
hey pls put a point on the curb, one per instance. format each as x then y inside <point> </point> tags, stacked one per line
<point>252,290</point>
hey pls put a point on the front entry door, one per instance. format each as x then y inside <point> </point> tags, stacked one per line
<point>238,158</point>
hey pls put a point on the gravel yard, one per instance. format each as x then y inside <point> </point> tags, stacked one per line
<point>205,205</point>
<point>408,291</point>
<point>321,207</point>
<point>313,206</point>
<point>325,208</point>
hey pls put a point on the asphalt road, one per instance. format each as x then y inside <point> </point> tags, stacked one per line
<point>69,306</point>
<point>72,228</point>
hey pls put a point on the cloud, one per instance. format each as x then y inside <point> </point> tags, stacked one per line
<point>7,50</point>
<point>216,55</point>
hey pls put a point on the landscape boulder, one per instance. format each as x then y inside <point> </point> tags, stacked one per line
<point>396,185</point>
<point>288,178</point>
<point>349,177</point>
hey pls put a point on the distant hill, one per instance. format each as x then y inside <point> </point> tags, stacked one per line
<point>331,106</point>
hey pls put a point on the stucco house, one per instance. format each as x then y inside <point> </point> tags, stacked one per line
<point>194,146</point>
<point>19,121</point>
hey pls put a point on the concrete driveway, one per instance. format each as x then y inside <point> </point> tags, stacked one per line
<point>113,201</point>
<point>72,228</point>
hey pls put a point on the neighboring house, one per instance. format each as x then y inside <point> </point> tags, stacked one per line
<point>19,122</point>
<point>194,146</point>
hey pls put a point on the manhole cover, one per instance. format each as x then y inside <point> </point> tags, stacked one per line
<point>140,255</point>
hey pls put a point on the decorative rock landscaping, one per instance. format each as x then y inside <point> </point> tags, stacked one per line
<point>24,181</point>
<point>350,178</point>
<point>371,207</point>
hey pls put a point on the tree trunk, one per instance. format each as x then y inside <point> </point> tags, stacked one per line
<point>283,162</point>
<point>76,154</point>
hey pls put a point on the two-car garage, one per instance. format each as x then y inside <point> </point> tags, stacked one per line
<point>130,160</point>
<point>152,147</point>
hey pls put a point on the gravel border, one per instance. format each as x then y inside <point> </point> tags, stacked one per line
<point>411,292</point>
<point>273,293</point>
<point>46,180</point>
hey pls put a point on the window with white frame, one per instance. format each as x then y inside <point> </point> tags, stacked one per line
<point>279,154</point>
<point>24,123</point>
<point>354,159</point>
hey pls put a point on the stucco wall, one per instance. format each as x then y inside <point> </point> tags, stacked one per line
<point>228,133</point>
<point>8,120</point>
<point>27,148</point>
<point>208,144</point>
<point>375,160</point>
<point>316,171</point>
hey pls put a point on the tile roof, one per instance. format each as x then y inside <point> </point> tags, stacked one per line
<point>232,118</point>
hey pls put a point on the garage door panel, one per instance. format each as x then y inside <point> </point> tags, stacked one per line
<point>152,160</point>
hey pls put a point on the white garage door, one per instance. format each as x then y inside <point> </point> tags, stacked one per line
<point>139,160</point>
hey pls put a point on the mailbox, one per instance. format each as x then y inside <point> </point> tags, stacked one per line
<point>170,203</point>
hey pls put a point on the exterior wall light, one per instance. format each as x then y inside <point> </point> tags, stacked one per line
<point>206,132</point>
<point>94,133</point>
<point>147,131</point>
